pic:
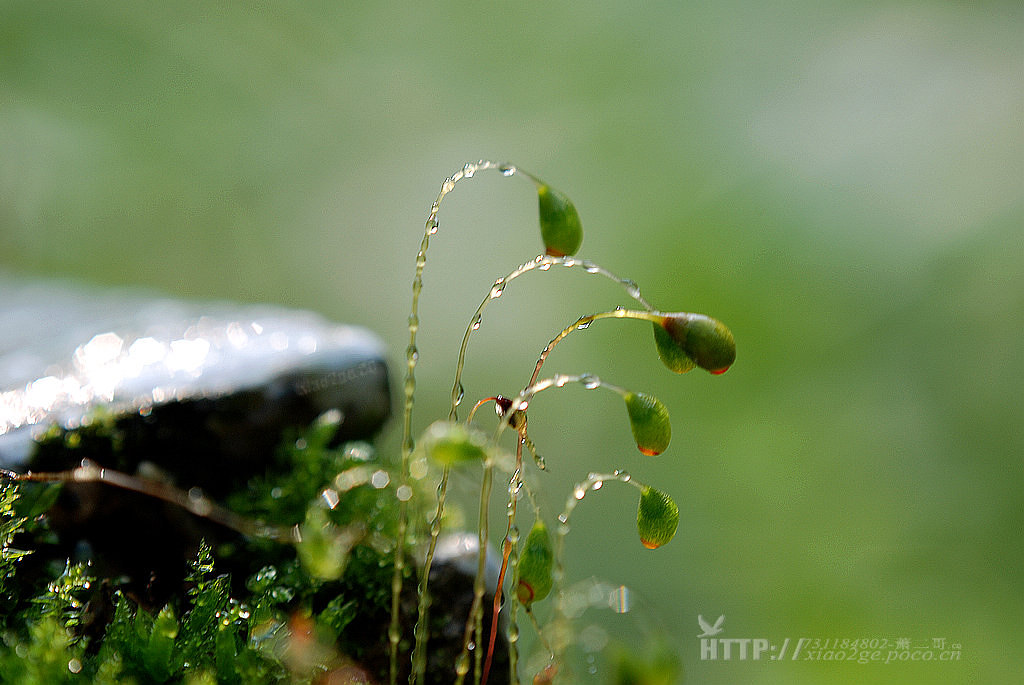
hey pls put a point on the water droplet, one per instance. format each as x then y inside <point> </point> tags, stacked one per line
<point>403,493</point>
<point>619,600</point>
<point>598,485</point>
<point>579,493</point>
<point>497,289</point>
<point>507,170</point>
<point>477,320</point>
<point>330,497</point>
<point>590,267</point>
<point>583,325</point>
<point>418,468</point>
<point>469,170</point>
<point>590,382</point>
<point>460,393</point>
<point>432,226</point>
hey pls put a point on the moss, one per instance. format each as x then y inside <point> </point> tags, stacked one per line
<point>243,609</point>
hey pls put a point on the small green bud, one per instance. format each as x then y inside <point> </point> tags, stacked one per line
<point>450,443</point>
<point>707,342</point>
<point>649,420</point>
<point>657,518</point>
<point>560,226</point>
<point>535,566</point>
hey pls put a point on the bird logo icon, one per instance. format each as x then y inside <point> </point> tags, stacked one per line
<point>710,630</point>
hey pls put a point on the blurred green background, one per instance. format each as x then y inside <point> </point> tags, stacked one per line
<point>842,183</point>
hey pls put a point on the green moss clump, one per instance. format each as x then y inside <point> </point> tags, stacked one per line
<point>246,609</point>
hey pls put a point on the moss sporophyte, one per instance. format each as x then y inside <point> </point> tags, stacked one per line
<point>320,560</point>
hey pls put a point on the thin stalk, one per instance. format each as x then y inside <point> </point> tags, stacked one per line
<point>540,635</point>
<point>509,559</point>
<point>585,321</point>
<point>474,622</point>
<point>560,619</point>
<point>509,554</point>
<point>411,357</point>
<point>541,263</point>
<point>420,630</point>
<point>523,399</point>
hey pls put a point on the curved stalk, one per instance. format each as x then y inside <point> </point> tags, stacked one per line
<point>411,357</point>
<point>585,321</point>
<point>541,263</point>
<point>560,620</point>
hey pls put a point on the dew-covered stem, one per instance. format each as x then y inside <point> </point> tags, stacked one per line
<point>540,635</point>
<point>594,481</point>
<point>411,356</point>
<point>523,399</point>
<point>420,630</point>
<point>474,622</point>
<point>509,558</point>
<point>539,263</point>
<point>584,322</point>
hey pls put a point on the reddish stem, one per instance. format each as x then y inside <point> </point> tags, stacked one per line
<point>506,553</point>
<point>495,609</point>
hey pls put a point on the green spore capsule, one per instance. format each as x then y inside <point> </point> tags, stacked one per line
<point>657,518</point>
<point>450,444</point>
<point>671,354</point>
<point>648,417</point>
<point>707,342</point>
<point>535,566</point>
<point>560,226</point>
